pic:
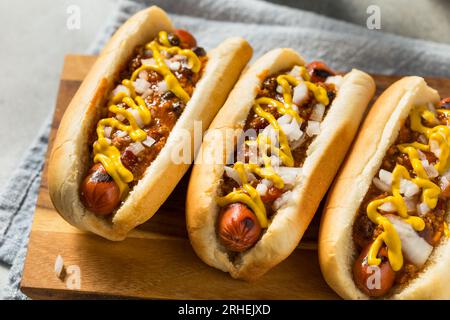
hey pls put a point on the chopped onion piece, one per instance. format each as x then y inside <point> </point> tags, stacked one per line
<point>136,148</point>
<point>411,204</point>
<point>422,155</point>
<point>143,74</point>
<point>162,87</point>
<point>148,142</point>
<point>300,93</point>
<point>279,89</point>
<point>423,209</point>
<point>408,188</point>
<point>313,128</point>
<point>434,147</point>
<point>443,183</point>
<point>147,93</point>
<point>136,116</point>
<point>268,183</point>
<point>121,88</point>
<point>148,62</point>
<point>388,207</point>
<point>317,112</point>
<point>295,144</point>
<point>430,169</point>
<point>422,139</point>
<point>231,173</point>
<point>174,65</point>
<point>385,176</point>
<point>290,175</point>
<point>141,85</point>
<point>284,119</point>
<point>120,117</point>
<point>108,131</point>
<point>121,134</point>
<point>108,140</point>
<point>414,247</point>
<point>336,80</point>
<point>296,72</point>
<point>262,189</point>
<point>381,185</point>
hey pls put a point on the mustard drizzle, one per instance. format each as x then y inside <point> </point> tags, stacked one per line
<point>104,152</point>
<point>247,194</point>
<point>430,191</point>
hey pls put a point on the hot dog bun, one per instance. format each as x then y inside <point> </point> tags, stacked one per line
<point>324,157</point>
<point>70,158</point>
<point>336,247</point>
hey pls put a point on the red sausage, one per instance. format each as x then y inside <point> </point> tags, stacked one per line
<point>238,227</point>
<point>186,38</point>
<point>375,281</point>
<point>99,193</point>
<point>319,71</point>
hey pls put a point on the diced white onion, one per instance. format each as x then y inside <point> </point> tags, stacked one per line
<point>423,209</point>
<point>313,128</point>
<point>120,117</point>
<point>174,65</point>
<point>136,148</point>
<point>121,88</point>
<point>279,89</point>
<point>143,74</point>
<point>430,169</point>
<point>147,93</point>
<point>137,117</point>
<point>336,80</point>
<point>121,134</point>
<point>148,142</point>
<point>232,174</point>
<point>268,183</point>
<point>317,112</point>
<point>381,185</point>
<point>408,188</point>
<point>295,144</point>
<point>284,119</point>
<point>275,161</point>
<point>422,139</point>
<point>108,140</point>
<point>388,207</point>
<point>162,87</point>
<point>289,175</point>
<point>411,204</point>
<point>296,72</point>
<point>414,247</point>
<point>300,93</point>
<point>251,177</point>
<point>292,130</point>
<point>385,176</point>
<point>443,183</point>
<point>108,131</point>
<point>282,200</point>
<point>434,147</point>
<point>141,85</point>
<point>422,155</point>
<point>294,107</point>
<point>148,62</point>
<point>262,189</point>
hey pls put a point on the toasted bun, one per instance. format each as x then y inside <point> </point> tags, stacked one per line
<point>336,248</point>
<point>70,157</point>
<point>324,157</point>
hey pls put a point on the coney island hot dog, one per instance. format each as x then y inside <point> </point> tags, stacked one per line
<point>111,167</point>
<point>384,232</point>
<point>290,125</point>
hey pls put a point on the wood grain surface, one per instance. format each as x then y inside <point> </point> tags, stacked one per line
<point>156,261</point>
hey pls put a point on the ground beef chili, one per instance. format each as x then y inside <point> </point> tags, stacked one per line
<point>257,123</point>
<point>165,108</point>
<point>365,231</point>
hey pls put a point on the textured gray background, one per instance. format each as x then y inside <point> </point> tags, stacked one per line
<point>35,38</point>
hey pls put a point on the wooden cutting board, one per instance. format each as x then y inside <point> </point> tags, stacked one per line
<point>156,261</point>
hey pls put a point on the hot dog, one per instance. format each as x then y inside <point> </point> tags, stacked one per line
<point>388,237</point>
<point>111,166</point>
<point>291,125</point>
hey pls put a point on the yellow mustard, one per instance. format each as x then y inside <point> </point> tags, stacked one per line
<point>430,191</point>
<point>248,194</point>
<point>104,152</point>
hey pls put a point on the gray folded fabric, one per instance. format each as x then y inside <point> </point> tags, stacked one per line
<point>266,26</point>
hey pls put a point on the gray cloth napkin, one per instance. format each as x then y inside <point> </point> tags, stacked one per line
<point>265,25</point>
